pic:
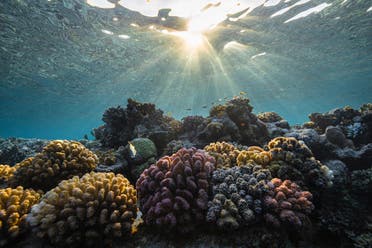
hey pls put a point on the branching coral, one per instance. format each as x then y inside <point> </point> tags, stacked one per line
<point>95,208</point>
<point>292,159</point>
<point>6,172</point>
<point>288,148</point>
<point>224,153</point>
<point>237,196</point>
<point>15,204</point>
<point>173,193</point>
<point>287,204</point>
<point>254,154</point>
<point>59,160</point>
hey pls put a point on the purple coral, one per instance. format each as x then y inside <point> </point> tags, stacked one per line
<point>287,204</point>
<point>174,192</point>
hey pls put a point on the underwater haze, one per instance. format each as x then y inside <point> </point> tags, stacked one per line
<point>63,62</point>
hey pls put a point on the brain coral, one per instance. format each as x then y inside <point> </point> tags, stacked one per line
<point>237,196</point>
<point>173,193</point>
<point>224,153</point>
<point>89,211</point>
<point>15,204</point>
<point>254,154</point>
<point>59,160</point>
<point>287,204</point>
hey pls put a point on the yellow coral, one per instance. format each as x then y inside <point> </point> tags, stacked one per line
<point>59,160</point>
<point>6,172</point>
<point>15,204</point>
<point>224,153</point>
<point>86,211</point>
<point>254,154</point>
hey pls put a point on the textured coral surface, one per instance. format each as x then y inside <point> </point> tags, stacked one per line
<point>174,192</point>
<point>59,160</point>
<point>287,204</point>
<point>91,210</point>
<point>237,194</point>
<point>15,204</point>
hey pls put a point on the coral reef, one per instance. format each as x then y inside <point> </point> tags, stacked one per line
<point>59,160</point>
<point>14,150</point>
<point>361,182</point>
<point>140,154</point>
<point>15,204</point>
<point>6,172</point>
<point>224,153</point>
<point>292,159</point>
<point>269,117</point>
<point>237,194</point>
<point>287,205</point>
<point>136,120</point>
<point>92,211</point>
<point>254,154</point>
<point>174,192</point>
<point>232,121</point>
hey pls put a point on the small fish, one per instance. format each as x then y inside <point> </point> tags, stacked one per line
<point>220,100</point>
<point>242,93</point>
<point>169,114</point>
<point>132,150</point>
<point>225,97</point>
<point>204,106</point>
<point>188,109</point>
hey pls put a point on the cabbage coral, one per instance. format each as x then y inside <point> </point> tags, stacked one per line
<point>59,160</point>
<point>287,204</point>
<point>15,204</point>
<point>86,211</point>
<point>254,154</point>
<point>237,194</point>
<point>224,153</point>
<point>173,193</point>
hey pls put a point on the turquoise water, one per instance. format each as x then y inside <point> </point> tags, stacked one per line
<point>62,63</point>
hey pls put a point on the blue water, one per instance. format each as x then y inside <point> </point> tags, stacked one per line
<point>63,63</point>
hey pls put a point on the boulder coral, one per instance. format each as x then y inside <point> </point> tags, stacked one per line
<point>173,193</point>
<point>59,160</point>
<point>224,153</point>
<point>91,211</point>
<point>237,194</point>
<point>15,204</point>
<point>287,204</point>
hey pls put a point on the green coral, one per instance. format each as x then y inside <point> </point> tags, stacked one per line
<point>143,148</point>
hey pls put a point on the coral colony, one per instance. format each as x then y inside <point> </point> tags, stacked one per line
<point>233,172</point>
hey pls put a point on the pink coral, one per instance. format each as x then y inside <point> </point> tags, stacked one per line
<point>174,192</point>
<point>287,204</point>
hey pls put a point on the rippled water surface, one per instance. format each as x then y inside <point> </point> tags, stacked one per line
<point>62,63</point>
